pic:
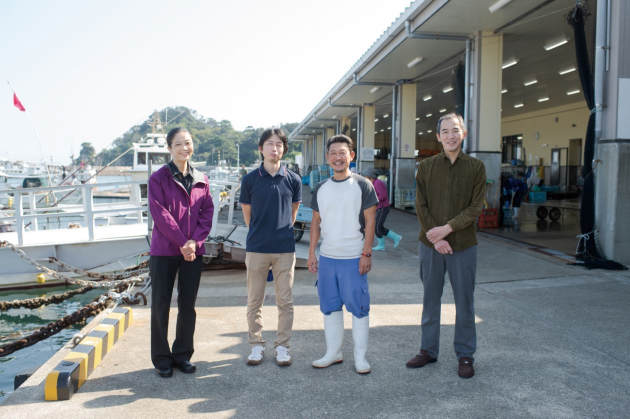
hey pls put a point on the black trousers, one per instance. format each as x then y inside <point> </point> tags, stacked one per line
<point>381,216</point>
<point>163,270</point>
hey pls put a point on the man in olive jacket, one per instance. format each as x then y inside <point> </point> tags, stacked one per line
<point>449,197</point>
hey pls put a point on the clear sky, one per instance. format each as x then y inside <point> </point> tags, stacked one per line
<point>87,71</point>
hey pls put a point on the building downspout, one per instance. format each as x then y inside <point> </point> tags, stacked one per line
<point>392,140</point>
<point>602,48</point>
<point>467,88</point>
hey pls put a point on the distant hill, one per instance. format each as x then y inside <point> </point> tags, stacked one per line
<point>211,137</point>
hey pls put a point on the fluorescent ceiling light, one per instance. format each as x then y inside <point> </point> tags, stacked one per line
<point>382,130</point>
<point>543,99</point>
<point>417,119</point>
<point>376,120</point>
<point>429,131</point>
<point>566,71</point>
<point>503,91</point>
<point>496,6</point>
<point>375,132</point>
<point>414,62</point>
<point>442,110</point>
<point>556,44</point>
<point>529,83</point>
<point>520,137</point>
<point>518,105</point>
<point>420,133</point>
<point>572,92</point>
<point>427,97</point>
<point>509,63</point>
<point>429,115</point>
<point>447,89</point>
<point>334,117</point>
<point>389,127</point>
<point>374,89</point>
<point>354,129</point>
<point>386,115</point>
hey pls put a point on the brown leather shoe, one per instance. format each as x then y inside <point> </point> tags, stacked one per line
<point>466,369</point>
<point>420,360</point>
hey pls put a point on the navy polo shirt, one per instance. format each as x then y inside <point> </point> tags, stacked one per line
<point>271,199</point>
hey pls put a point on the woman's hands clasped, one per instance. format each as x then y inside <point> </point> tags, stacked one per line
<point>188,250</point>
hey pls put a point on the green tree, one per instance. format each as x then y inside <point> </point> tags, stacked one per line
<point>86,153</point>
<point>210,137</point>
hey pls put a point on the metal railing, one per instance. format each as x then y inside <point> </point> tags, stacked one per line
<point>29,216</point>
<point>88,210</point>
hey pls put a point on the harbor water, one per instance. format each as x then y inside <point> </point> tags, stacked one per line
<point>20,322</point>
<point>17,323</point>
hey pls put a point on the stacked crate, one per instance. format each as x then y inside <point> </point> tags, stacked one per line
<point>324,172</point>
<point>489,218</point>
<point>314,178</point>
<point>405,198</point>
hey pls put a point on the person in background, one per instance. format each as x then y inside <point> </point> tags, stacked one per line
<point>181,208</point>
<point>449,198</point>
<point>382,210</point>
<point>343,206</point>
<point>270,198</point>
<point>516,189</point>
<point>242,172</point>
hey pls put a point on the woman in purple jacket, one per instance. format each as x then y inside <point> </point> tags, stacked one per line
<point>382,209</point>
<point>182,208</point>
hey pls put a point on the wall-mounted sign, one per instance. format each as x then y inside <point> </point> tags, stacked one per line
<point>367,154</point>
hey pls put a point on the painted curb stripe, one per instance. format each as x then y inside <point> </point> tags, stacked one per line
<point>71,373</point>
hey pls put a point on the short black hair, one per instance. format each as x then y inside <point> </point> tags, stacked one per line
<point>267,134</point>
<point>172,133</point>
<point>339,139</point>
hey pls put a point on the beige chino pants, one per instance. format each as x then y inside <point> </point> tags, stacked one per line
<point>282,265</point>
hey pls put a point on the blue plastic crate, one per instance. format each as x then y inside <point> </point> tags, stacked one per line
<point>537,197</point>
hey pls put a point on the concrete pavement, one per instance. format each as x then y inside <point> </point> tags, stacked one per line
<point>553,342</point>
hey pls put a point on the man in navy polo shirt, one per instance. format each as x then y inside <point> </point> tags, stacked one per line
<point>270,198</point>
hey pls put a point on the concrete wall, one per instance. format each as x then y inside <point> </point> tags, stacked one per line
<point>555,127</point>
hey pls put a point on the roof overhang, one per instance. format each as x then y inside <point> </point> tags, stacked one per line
<point>436,31</point>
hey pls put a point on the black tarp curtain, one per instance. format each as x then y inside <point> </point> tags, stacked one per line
<point>587,250</point>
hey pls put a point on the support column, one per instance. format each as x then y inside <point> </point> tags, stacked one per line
<point>330,132</point>
<point>319,141</point>
<point>406,133</point>
<point>367,134</point>
<point>612,173</point>
<point>484,130</point>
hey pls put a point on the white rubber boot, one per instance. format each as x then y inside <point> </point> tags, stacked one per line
<point>515,212</point>
<point>360,333</point>
<point>333,330</point>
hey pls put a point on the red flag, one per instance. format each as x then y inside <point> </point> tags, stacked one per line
<point>17,103</point>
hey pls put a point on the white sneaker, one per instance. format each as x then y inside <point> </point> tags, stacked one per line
<point>282,356</point>
<point>256,357</point>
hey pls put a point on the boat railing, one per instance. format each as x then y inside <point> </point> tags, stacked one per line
<point>88,209</point>
<point>216,187</point>
<point>28,216</point>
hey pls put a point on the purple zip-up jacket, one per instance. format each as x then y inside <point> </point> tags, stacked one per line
<point>381,192</point>
<point>177,216</point>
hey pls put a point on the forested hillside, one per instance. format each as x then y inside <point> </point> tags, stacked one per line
<point>212,138</point>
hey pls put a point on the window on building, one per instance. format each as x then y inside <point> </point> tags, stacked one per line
<point>142,158</point>
<point>512,148</point>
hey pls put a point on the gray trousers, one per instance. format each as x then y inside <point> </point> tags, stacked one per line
<point>461,267</point>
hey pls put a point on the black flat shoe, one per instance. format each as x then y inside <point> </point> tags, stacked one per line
<point>186,367</point>
<point>165,372</point>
